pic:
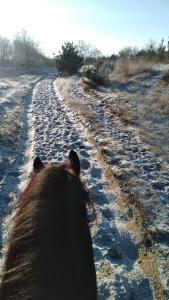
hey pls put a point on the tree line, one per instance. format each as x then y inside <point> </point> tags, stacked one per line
<point>22,51</point>
<point>72,56</point>
<point>153,51</point>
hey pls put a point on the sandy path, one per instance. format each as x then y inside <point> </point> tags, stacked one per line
<point>54,130</point>
<point>142,177</point>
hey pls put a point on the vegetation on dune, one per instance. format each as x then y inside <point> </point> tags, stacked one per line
<point>97,69</point>
<point>152,51</point>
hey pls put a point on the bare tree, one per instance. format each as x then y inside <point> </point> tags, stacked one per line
<point>6,50</point>
<point>26,51</point>
<point>128,52</point>
<point>87,50</point>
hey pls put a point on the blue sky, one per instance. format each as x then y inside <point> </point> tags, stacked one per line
<point>108,24</point>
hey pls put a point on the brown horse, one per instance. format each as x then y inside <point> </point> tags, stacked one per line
<point>50,255</point>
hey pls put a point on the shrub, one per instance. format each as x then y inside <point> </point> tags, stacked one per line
<point>97,74</point>
<point>93,75</point>
<point>69,60</point>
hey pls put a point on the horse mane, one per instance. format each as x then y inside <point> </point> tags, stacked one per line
<point>50,252</point>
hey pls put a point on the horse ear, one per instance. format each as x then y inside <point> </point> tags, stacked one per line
<point>37,164</point>
<point>74,162</point>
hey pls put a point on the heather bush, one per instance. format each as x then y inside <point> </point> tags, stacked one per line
<point>97,74</point>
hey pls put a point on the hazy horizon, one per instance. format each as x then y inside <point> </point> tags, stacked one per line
<point>108,25</point>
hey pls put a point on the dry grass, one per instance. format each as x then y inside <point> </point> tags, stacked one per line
<point>165,78</point>
<point>148,114</point>
<point>148,263</point>
<point>106,271</point>
<point>81,107</point>
<point>139,219</point>
<point>161,99</point>
<point>78,105</point>
<point>65,86</point>
<point>127,67</point>
<point>153,121</point>
<point>87,85</point>
<point>125,115</point>
<point>11,126</point>
<point>11,121</point>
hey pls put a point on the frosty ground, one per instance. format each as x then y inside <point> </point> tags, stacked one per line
<point>128,181</point>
